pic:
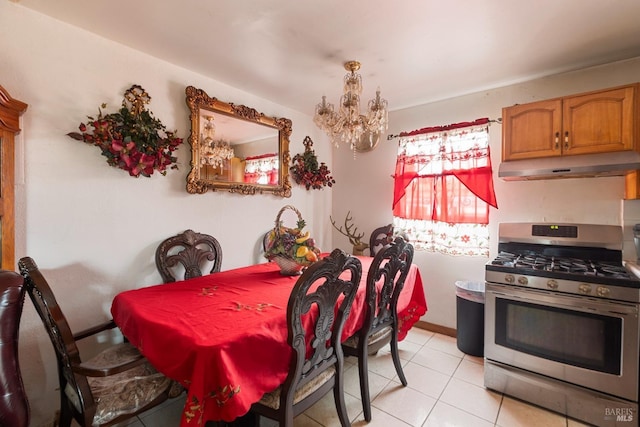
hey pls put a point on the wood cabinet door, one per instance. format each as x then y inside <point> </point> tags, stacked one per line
<point>632,185</point>
<point>7,240</point>
<point>599,122</point>
<point>532,130</point>
<point>10,111</point>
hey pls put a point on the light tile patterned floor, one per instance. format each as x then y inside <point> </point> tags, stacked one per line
<point>445,389</point>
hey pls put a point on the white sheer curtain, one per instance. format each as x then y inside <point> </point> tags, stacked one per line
<point>444,187</point>
<point>262,169</point>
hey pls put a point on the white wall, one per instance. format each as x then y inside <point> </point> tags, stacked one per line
<point>91,228</point>
<point>587,200</point>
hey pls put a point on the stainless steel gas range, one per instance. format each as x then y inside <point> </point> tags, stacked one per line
<point>561,321</point>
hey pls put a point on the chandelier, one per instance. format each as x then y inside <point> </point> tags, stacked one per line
<point>347,125</point>
<point>213,152</point>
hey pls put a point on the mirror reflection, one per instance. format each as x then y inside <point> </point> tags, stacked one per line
<point>234,148</point>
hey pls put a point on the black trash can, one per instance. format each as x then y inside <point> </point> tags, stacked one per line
<point>470,317</point>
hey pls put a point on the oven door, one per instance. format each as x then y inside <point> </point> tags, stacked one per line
<point>584,341</point>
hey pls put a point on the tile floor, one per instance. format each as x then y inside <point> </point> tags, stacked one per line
<point>445,389</point>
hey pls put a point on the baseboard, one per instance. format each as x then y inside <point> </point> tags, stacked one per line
<point>436,328</point>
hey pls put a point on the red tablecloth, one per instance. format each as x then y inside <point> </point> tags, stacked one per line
<point>224,336</point>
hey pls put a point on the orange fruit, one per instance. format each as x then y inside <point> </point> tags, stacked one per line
<point>311,256</point>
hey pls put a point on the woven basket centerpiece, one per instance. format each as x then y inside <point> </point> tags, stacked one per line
<point>290,247</point>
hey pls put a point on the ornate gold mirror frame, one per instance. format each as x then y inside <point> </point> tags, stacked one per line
<point>233,145</point>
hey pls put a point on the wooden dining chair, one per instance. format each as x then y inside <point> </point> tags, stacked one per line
<point>265,243</point>
<point>188,251</point>
<point>316,367</point>
<point>14,406</point>
<point>380,237</point>
<point>117,384</point>
<point>385,281</point>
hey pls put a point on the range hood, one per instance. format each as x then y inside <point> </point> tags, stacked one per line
<point>584,165</point>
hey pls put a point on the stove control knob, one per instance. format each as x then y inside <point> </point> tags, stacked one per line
<point>552,284</point>
<point>509,278</point>
<point>523,281</point>
<point>603,291</point>
<point>584,289</point>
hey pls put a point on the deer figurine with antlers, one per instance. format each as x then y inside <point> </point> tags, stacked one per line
<point>351,232</point>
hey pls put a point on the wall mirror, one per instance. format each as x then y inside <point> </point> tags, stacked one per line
<point>235,148</point>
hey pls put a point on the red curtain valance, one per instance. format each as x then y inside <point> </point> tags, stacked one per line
<point>262,156</point>
<point>482,121</point>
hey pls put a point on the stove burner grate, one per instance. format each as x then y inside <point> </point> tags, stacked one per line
<point>577,266</point>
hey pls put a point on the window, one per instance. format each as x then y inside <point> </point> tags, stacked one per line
<point>443,187</point>
<point>262,169</point>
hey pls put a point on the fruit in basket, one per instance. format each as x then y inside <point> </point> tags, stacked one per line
<point>293,244</point>
<point>302,251</point>
<point>302,237</point>
<point>311,256</point>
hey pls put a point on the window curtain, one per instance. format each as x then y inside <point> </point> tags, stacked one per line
<point>443,187</point>
<point>262,169</point>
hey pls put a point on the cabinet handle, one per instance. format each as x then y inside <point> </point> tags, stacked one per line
<point>566,140</point>
<point>557,140</point>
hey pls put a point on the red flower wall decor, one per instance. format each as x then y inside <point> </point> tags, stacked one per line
<point>131,139</point>
<point>306,171</point>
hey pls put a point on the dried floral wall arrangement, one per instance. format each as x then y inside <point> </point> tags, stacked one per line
<point>305,169</point>
<point>131,139</point>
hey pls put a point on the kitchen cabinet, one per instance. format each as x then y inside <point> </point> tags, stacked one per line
<point>10,112</point>
<point>588,123</point>
<point>231,170</point>
<point>632,185</point>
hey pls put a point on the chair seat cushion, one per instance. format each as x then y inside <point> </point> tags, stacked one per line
<point>123,393</point>
<point>377,336</point>
<point>272,399</point>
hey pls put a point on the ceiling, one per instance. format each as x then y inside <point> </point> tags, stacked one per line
<point>416,51</point>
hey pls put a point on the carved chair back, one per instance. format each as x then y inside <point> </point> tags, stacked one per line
<point>190,250</point>
<point>14,407</point>
<point>385,281</point>
<point>380,237</point>
<point>317,309</point>
<point>391,265</point>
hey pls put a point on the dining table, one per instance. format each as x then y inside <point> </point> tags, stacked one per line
<point>223,336</point>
